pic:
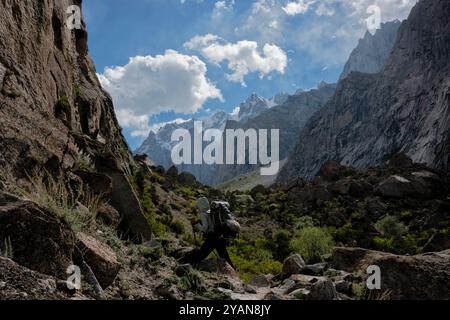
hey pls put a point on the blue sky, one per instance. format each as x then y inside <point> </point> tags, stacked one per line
<point>192,57</point>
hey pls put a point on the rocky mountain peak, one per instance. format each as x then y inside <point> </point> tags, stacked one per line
<point>372,50</point>
<point>403,108</point>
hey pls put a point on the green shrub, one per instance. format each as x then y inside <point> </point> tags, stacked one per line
<point>304,222</point>
<point>252,257</point>
<point>389,226</point>
<point>192,281</point>
<point>77,91</point>
<point>384,243</point>
<point>313,244</point>
<point>63,104</point>
<point>347,234</point>
<point>281,248</point>
<point>150,214</point>
<point>177,226</point>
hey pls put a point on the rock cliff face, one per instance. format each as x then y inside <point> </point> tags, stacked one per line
<point>53,110</point>
<point>403,108</point>
<point>372,50</point>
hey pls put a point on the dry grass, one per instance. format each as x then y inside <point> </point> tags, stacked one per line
<point>77,208</point>
<point>7,250</point>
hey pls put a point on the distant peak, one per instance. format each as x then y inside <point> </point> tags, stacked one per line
<point>322,84</point>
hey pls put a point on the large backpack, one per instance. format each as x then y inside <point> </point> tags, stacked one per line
<point>224,222</point>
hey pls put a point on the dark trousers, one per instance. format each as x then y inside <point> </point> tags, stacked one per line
<point>213,242</point>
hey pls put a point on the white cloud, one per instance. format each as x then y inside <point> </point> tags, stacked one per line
<point>297,7</point>
<point>139,124</point>
<point>243,57</point>
<point>224,5</point>
<point>324,10</point>
<point>150,85</point>
<point>274,24</point>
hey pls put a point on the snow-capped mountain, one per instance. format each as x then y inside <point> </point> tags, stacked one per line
<point>158,145</point>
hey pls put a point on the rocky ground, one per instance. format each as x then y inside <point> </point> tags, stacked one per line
<point>39,244</point>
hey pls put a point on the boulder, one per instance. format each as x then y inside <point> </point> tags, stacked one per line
<point>333,171</point>
<point>159,169</point>
<point>314,269</point>
<point>261,281</point>
<point>172,172</point>
<point>20,283</point>
<point>293,265</point>
<point>429,182</point>
<point>349,259</point>
<point>399,187</point>
<point>340,187</point>
<point>375,207</point>
<point>39,240</point>
<point>323,290</point>
<point>125,200</point>
<point>187,179</point>
<point>217,265</point>
<point>360,188</point>
<point>420,277</point>
<point>108,215</point>
<point>97,183</point>
<point>438,242</point>
<point>399,160</point>
<point>100,258</point>
<point>344,287</point>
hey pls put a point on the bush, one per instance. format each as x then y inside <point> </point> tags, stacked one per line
<point>347,234</point>
<point>252,257</point>
<point>177,226</point>
<point>384,243</point>
<point>281,248</point>
<point>63,104</point>
<point>313,244</point>
<point>149,208</point>
<point>192,281</point>
<point>389,226</point>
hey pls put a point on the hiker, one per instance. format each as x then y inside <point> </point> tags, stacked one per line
<point>217,224</point>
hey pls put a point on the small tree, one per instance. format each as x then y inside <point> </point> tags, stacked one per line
<point>389,226</point>
<point>313,244</point>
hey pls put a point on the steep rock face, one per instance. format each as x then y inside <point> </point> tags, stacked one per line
<point>372,50</point>
<point>52,107</point>
<point>404,108</point>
